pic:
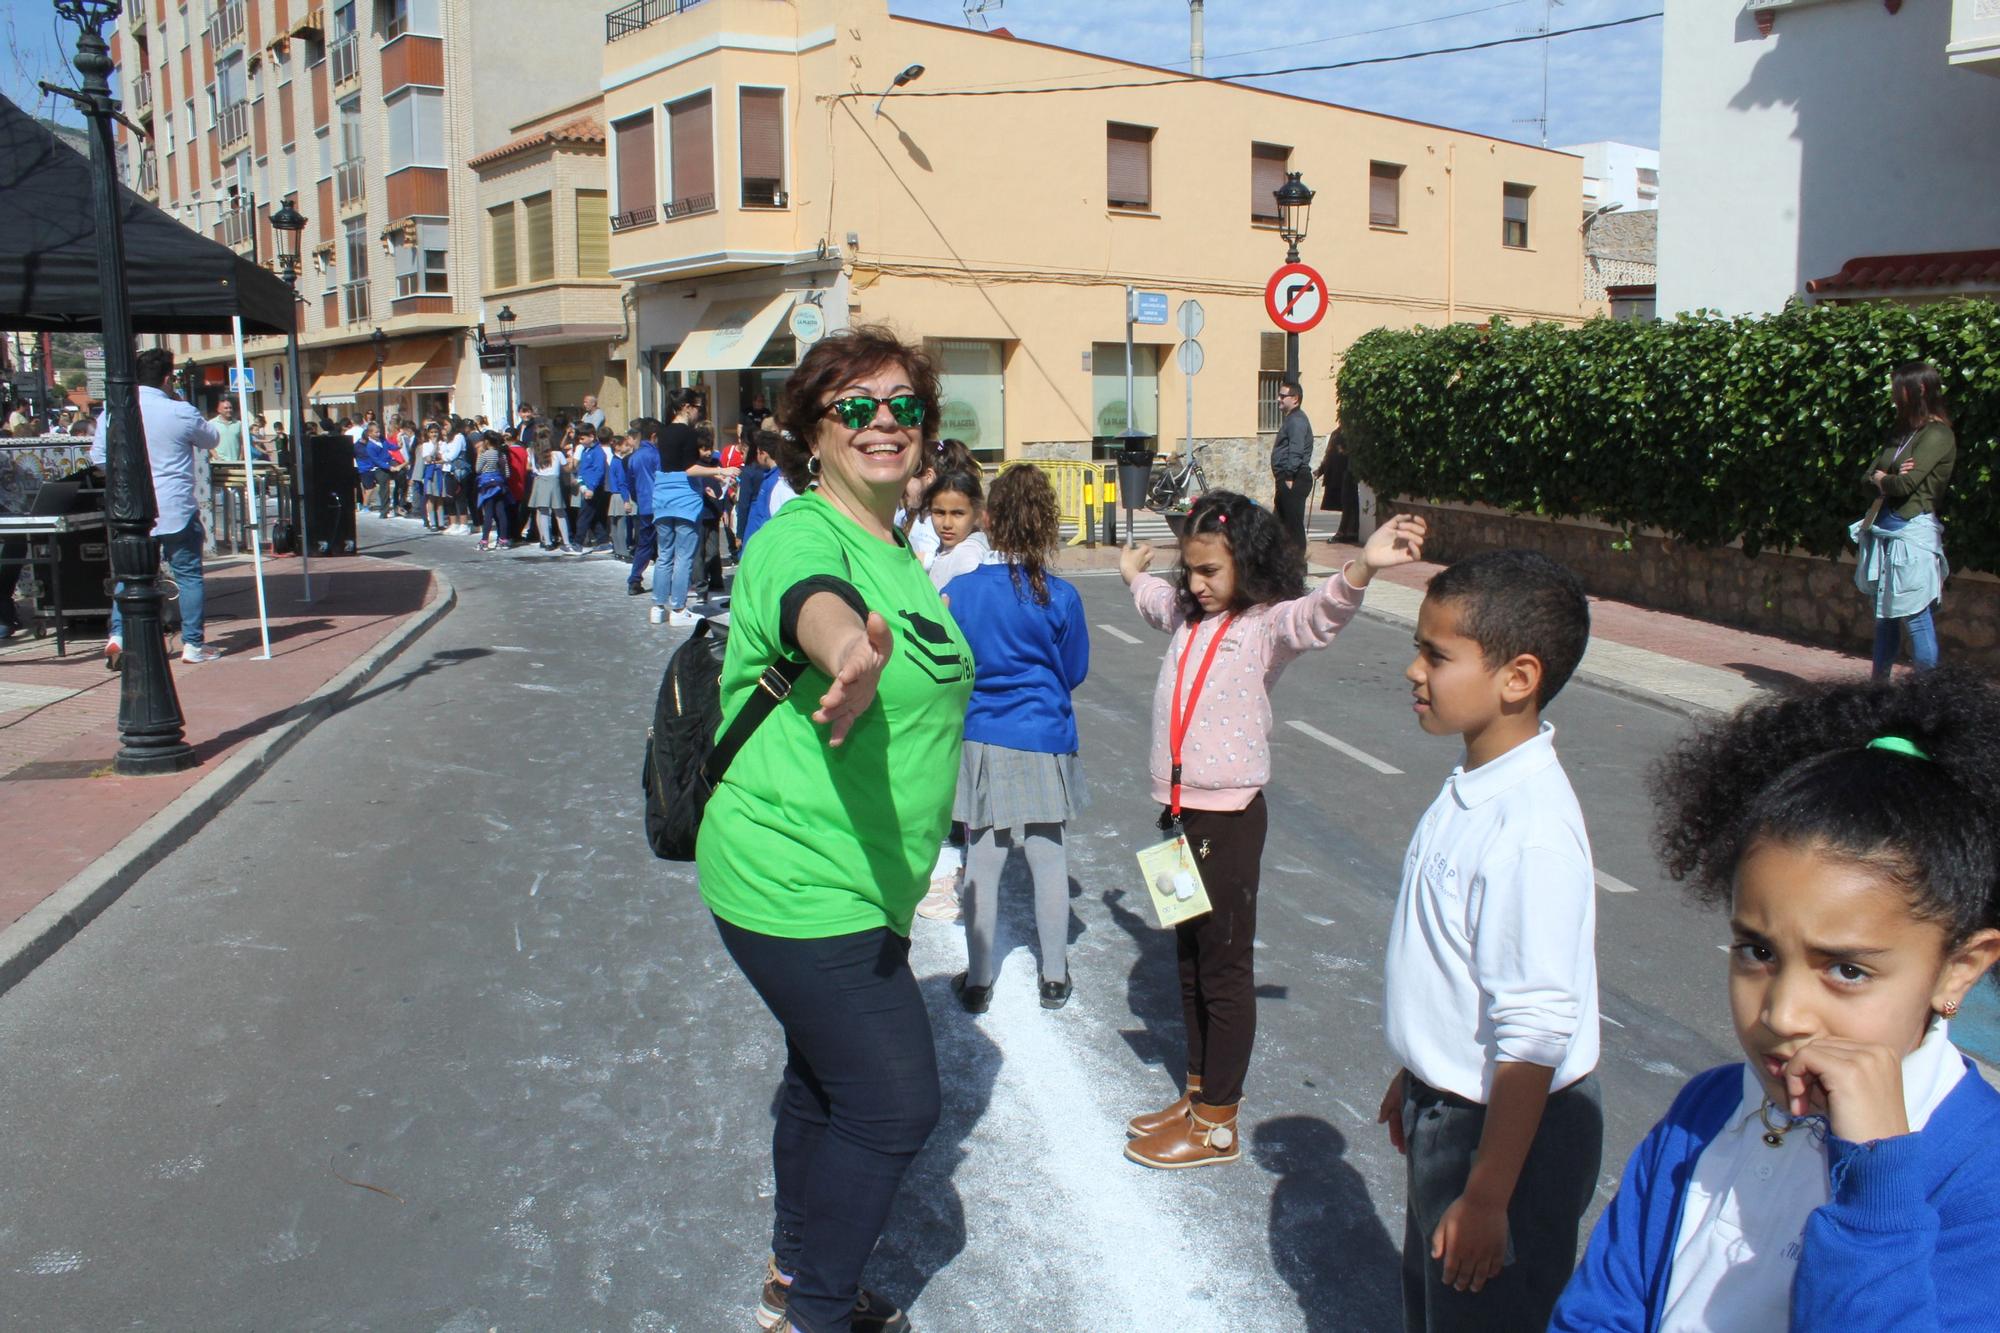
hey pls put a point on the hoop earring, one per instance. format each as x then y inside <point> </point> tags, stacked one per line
<point>812,465</point>
<point>1949,1008</point>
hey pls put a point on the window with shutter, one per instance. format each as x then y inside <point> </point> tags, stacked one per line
<point>1129,176</point>
<point>593,235</point>
<point>761,127</point>
<point>1385,194</point>
<point>539,215</point>
<point>638,195</point>
<point>500,227</point>
<point>1268,165</point>
<point>1514,215</point>
<point>691,141</point>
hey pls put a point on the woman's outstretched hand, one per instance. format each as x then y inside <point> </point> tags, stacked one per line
<point>1400,541</point>
<point>855,679</point>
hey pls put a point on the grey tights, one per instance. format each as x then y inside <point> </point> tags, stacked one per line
<point>985,859</point>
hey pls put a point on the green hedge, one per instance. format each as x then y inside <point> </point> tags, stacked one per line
<point>1709,429</point>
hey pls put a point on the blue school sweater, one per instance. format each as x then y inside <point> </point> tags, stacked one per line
<point>618,477</point>
<point>1027,659</point>
<point>641,468</point>
<point>1908,1240</point>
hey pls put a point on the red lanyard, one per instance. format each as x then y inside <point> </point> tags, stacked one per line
<point>1178,718</point>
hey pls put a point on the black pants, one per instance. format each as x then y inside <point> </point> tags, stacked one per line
<point>1218,975</point>
<point>1442,1132</point>
<point>860,1096</point>
<point>708,558</point>
<point>590,512</point>
<point>1290,501</point>
<point>1342,492</point>
<point>645,546</point>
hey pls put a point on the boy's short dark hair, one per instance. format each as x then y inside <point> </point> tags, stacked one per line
<point>1515,602</point>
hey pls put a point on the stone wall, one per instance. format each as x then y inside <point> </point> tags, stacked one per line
<point>1790,595</point>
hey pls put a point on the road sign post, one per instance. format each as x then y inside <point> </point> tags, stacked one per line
<point>1190,319</point>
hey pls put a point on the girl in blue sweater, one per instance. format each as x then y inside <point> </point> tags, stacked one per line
<point>1847,1176</point>
<point>1019,780</point>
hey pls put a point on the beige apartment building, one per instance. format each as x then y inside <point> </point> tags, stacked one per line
<point>998,205</point>
<point>367,112</point>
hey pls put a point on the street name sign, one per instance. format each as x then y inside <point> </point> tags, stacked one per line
<point>1149,307</point>
<point>1295,298</point>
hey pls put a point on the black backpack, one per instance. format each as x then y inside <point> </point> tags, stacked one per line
<point>684,760</point>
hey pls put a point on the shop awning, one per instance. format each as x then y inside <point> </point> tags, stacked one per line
<point>407,360</point>
<point>731,334</point>
<point>342,378</point>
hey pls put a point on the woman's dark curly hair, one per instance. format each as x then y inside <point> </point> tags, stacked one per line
<point>1800,770</point>
<point>1023,525</point>
<point>836,361</point>
<point>1270,566</point>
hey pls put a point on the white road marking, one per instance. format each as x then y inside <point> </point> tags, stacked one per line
<point>1360,756</point>
<point>1118,634</point>
<point>1612,1021</point>
<point>1613,884</point>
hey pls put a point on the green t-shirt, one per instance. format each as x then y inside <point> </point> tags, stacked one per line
<point>230,450</point>
<point>803,840</point>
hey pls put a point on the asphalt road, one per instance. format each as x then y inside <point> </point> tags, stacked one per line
<point>417,1034</point>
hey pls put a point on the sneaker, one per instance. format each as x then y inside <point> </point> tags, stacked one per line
<point>682,618</point>
<point>114,653</point>
<point>941,903</point>
<point>658,615</point>
<point>199,652</point>
<point>871,1313</point>
<point>635,590</point>
<point>572,549</point>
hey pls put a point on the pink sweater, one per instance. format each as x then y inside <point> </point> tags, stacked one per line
<point>1226,759</point>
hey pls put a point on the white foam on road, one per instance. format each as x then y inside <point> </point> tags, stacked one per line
<point>1359,756</point>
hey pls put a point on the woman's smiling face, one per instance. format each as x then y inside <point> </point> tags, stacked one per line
<point>875,461</point>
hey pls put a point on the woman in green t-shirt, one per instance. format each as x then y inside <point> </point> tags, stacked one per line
<point>1901,566</point>
<point>818,844</point>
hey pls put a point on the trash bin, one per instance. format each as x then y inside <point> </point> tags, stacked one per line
<point>1135,471</point>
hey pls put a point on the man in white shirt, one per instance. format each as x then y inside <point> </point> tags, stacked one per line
<point>176,439</point>
<point>593,416</point>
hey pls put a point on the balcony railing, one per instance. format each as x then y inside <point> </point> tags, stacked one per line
<point>689,206</point>
<point>227,25</point>
<point>232,123</point>
<point>346,57</point>
<point>625,21</point>
<point>148,181</point>
<point>634,217</point>
<point>350,185</point>
<point>142,92</point>
<point>354,302</point>
<point>238,226</point>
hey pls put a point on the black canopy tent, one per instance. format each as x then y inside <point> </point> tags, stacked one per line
<point>179,281</point>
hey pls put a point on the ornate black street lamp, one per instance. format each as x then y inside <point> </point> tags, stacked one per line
<point>506,318</point>
<point>190,376</point>
<point>151,731</point>
<point>1294,205</point>
<point>290,225</point>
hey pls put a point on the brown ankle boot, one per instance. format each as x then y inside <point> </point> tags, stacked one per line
<point>1155,1121</point>
<point>1206,1138</point>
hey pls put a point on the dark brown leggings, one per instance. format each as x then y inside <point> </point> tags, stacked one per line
<point>1218,977</point>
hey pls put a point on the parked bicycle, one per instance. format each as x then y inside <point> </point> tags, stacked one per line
<point>1177,483</point>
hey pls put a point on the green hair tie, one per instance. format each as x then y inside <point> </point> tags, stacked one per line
<point>1897,745</point>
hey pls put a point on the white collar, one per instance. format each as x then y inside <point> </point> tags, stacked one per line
<point>1480,785</point>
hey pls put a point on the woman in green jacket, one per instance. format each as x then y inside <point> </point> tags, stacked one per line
<point>1902,566</point>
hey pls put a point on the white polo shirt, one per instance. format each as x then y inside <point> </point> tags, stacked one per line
<point>1492,950</point>
<point>1743,1220</point>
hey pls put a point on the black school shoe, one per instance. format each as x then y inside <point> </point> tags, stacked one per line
<point>1055,994</point>
<point>871,1314</point>
<point>974,999</point>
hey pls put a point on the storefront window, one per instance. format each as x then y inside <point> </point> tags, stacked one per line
<point>1107,389</point>
<point>970,375</point>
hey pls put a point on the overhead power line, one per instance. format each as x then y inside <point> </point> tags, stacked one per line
<point>1270,73</point>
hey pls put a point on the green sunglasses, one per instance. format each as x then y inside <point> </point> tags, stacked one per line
<point>856,411</point>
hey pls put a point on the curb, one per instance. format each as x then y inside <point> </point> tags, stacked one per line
<point>57,919</point>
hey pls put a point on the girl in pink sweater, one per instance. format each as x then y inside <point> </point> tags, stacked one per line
<point>1240,614</point>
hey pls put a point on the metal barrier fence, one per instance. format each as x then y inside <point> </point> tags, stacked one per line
<point>1084,491</point>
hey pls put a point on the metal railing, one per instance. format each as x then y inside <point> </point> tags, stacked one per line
<point>689,206</point>
<point>345,56</point>
<point>634,217</point>
<point>232,123</point>
<point>142,92</point>
<point>625,21</point>
<point>148,181</point>
<point>227,25</point>
<point>238,226</point>
<point>350,185</point>
<point>354,302</point>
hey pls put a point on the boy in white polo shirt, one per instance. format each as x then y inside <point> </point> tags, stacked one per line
<point>1492,970</point>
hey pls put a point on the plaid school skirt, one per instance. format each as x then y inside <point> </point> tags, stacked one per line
<point>1003,788</point>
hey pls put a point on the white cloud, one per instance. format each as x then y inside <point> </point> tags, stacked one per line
<point>1602,85</point>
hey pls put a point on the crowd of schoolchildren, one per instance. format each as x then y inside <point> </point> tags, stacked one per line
<point>1846,1176</point>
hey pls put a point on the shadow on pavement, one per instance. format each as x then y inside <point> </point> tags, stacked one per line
<point>1152,991</point>
<point>1326,1241</point>
<point>436,662</point>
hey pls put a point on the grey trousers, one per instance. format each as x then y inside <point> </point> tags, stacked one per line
<point>985,860</point>
<point>1442,1133</point>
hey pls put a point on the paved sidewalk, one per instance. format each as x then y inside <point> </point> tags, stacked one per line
<point>78,834</point>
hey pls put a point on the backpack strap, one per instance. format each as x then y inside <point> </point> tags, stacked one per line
<point>773,687</point>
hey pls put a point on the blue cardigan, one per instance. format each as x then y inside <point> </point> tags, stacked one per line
<point>1027,659</point>
<point>1908,1240</point>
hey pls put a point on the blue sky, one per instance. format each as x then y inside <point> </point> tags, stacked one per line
<point>1603,85</point>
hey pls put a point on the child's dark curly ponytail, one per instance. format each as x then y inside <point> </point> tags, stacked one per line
<point>1806,768</point>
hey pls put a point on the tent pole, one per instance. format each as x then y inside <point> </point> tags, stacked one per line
<point>253,517</point>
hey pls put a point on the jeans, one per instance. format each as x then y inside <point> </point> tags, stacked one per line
<point>645,546</point>
<point>493,519</point>
<point>1889,632</point>
<point>860,1095</point>
<point>676,538</point>
<point>1442,1133</point>
<point>1217,951</point>
<point>182,553</point>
